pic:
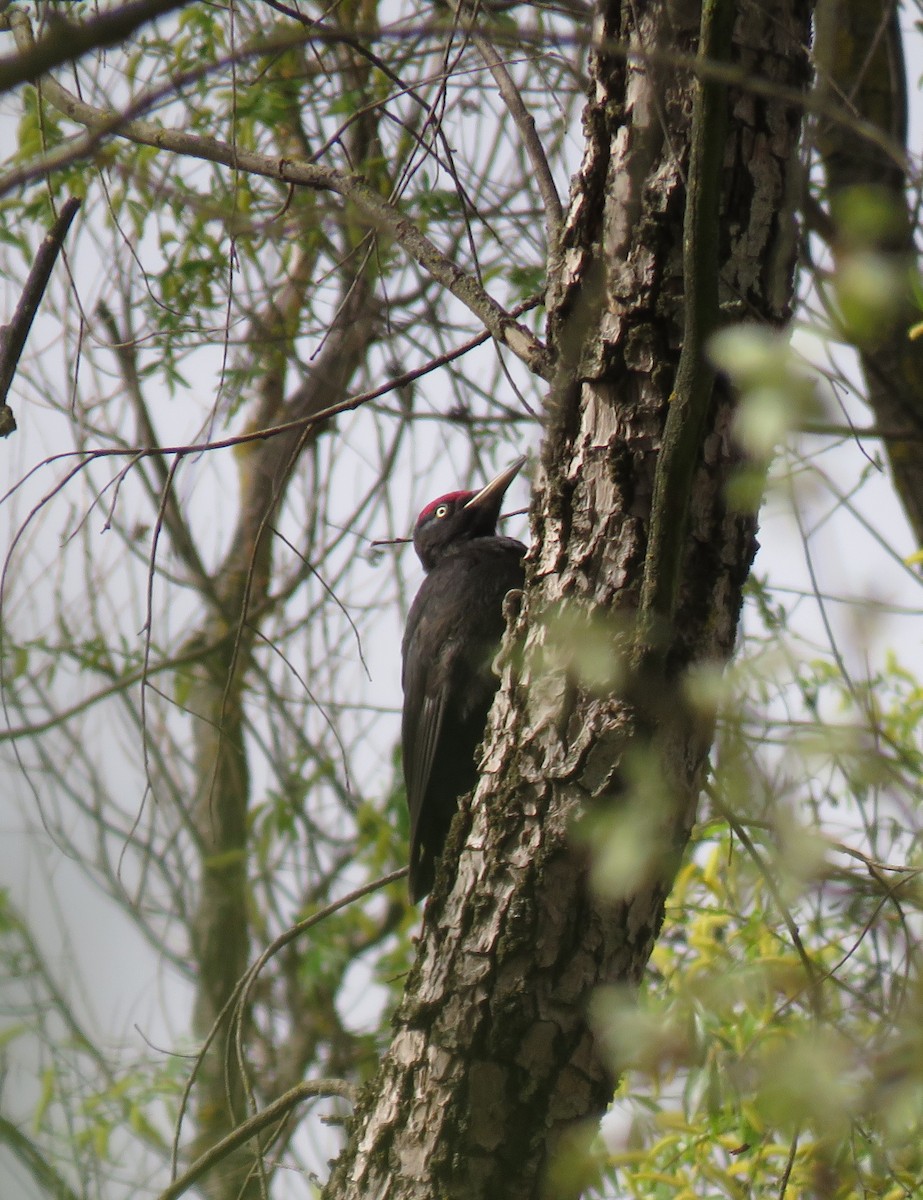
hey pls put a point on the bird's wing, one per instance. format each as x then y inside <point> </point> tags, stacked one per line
<point>426,739</point>
<point>421,728</point>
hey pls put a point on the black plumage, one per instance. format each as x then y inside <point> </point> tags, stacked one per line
<point>453,633</point>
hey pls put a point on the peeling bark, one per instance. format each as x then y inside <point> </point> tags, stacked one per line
<point>493,1064</point>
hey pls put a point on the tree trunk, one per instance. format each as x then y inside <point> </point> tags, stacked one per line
<point>859,47</point>
<point>221,941</point>
<point>635,577</point>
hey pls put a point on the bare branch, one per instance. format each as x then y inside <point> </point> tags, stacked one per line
<point>13,336</point>
<point>254,1125</point>
<point>65,41</point>
<point>525,123</point>
<point>35,1160</point>
<point>380,213</point>
<point>124,351</point>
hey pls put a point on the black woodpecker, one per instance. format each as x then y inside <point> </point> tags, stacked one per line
<point>453,633</point>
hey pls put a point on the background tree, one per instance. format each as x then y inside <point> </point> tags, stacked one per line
<point>304,295</point>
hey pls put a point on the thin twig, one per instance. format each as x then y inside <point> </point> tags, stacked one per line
<point>240,992</point>
<point>763,867</point>
<point>525,123</point>
<point>790,1163</point>
<point>125,349</point>
<point>255,435</point>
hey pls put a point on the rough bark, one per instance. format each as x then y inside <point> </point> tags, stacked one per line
<point>493,1065</point>
<point>862,74</point>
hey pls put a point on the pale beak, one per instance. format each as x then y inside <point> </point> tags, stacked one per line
<point>494,492</point>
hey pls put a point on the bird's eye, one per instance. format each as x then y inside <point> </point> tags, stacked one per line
<point>442,510</point>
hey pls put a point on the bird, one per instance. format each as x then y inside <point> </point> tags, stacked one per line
<point>453,633</point>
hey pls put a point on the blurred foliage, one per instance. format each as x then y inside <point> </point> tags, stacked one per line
<point>775,1048</point>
